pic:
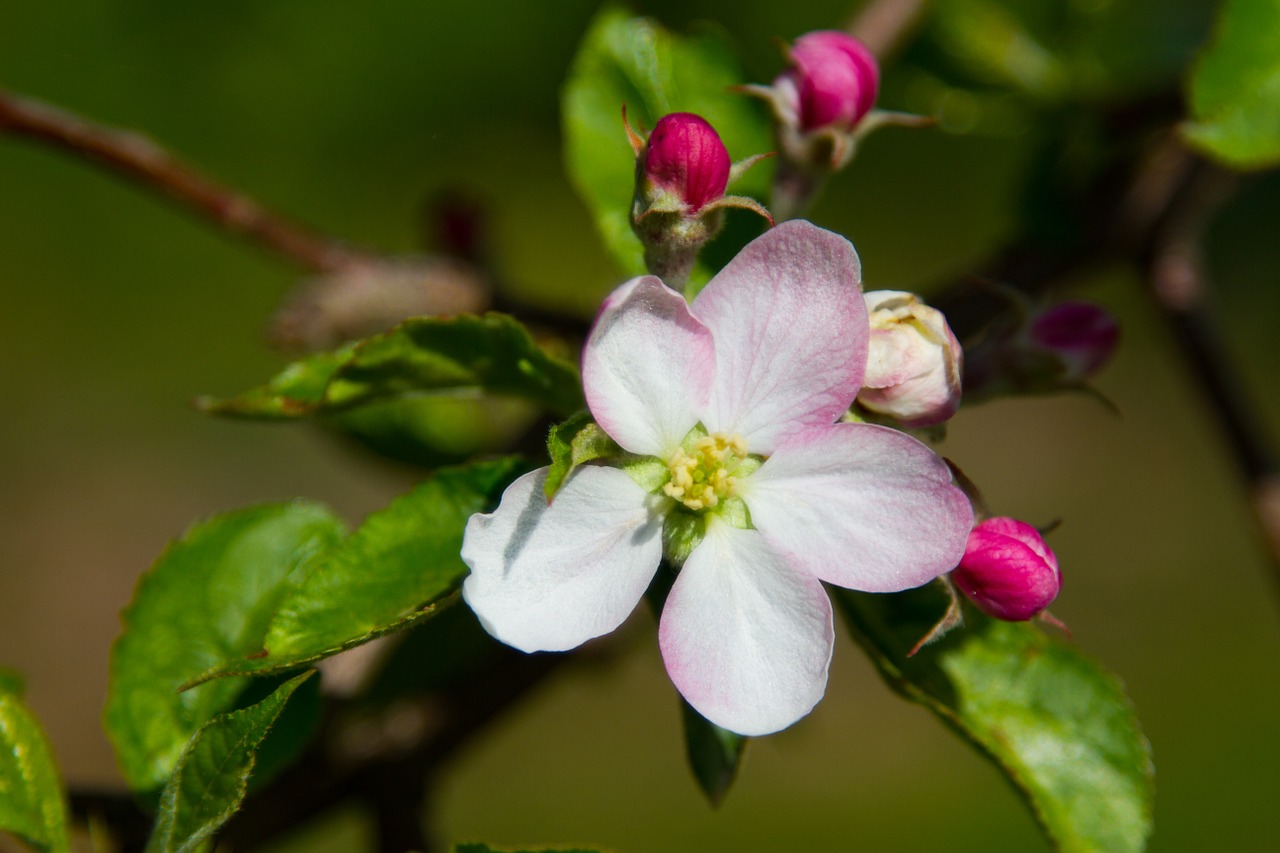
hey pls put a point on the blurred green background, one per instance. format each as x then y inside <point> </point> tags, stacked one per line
<point>115,310</point>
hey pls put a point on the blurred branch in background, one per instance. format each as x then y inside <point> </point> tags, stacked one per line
<point>1193,192</point>
<point>884,25</point>
<point>140,159</point>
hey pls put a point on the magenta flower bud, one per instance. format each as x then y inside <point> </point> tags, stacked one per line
<point>685,157</point>
<point>1082,336</point>
<point>913,361</point>
<point>1008,570</point>
<point>682,171</point>
<point>836,78</point>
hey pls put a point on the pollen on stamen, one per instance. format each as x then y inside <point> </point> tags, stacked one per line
<point>704,478</point>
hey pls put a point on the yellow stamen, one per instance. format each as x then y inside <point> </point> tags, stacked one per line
<point>702,479</point>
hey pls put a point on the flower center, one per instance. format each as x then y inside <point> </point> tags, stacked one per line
<point>703,476</point>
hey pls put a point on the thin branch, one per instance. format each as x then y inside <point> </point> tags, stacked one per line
<point>140,159</point>
<point>884,25</point>
<point>1178,281</point>
<point>325,777</point>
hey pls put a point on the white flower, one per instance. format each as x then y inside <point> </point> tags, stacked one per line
<point>913,361</point>
<point>736,396</point>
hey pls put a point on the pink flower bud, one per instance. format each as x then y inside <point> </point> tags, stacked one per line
<point>913,360</point>
<point>685,157</point>
<point>1082,336</point>
<point>1008,570</point>
<point>835,78</point>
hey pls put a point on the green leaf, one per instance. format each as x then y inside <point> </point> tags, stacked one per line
<point>211,777</point>
<point>1235,87</point>
<point>636,62</point>
<point>1056,724</point>
<point>392,572</point>
<point>11,681</point>
<point>492,354</point>
<point>714,753</point>
<point>31,803</point>
<point>208,598</point>
<point>572,443</point>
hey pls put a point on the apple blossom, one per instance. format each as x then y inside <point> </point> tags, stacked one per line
<point>759,497</point>
<point>1008,570</point>
<point>913,361</point>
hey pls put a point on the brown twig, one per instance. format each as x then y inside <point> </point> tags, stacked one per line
<point>883,25</point>
<point>142,160</point>
<point>325,776</point>
<point>1178,281</point>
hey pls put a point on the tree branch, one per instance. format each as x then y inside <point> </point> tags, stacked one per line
<point>140,159</point>
<point>1178,282</point>
<point>883,25</point>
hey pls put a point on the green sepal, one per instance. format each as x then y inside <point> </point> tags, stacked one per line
<point>212,775</point>
<point>681,533</point>
<point>714,753</point>
<point>572,443</point>
<point>1057,725</point>
<point>31,801</point>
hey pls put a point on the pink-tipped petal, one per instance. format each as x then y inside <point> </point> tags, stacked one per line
<point>790,329</point>
<point>860,506</point>
<point>647,367</point>
<point>746,638</point>
<point>549,577</point>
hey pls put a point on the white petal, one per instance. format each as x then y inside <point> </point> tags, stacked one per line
<point>790,329</point>
<point>861,506</point>
<point>745,637</point>
<point>647,367</point>
<point>550,577</point>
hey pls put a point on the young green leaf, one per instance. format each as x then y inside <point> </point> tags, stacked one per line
<point>1235,87</point>
<point>208,598</point>
<point>209,782</point>
<point>636,62</point>
<point>378,580</point>
<point>31,804</point>
<point>1056,724</point>
<point>714,753</point>
<point>493,354</point>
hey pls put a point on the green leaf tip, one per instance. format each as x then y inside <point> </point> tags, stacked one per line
<point>211,777</point>
<point>714,754</point>
<point>493,354</point>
